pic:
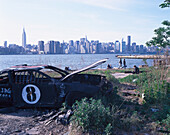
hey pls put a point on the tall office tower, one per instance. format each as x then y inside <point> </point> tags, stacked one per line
<point>23,38</point>
<point>98,47</point>
<point>5,44</point>
<point>51,46</point>
<point>47,48</point>
<point>57,47</point>
<point>93,46</point>
<point>141,49</point>
<point>86,38</point>
<point>128,43</point>
<point>117,46</point>
<point>123,46</point>
<point>71,43</point>
<point>88,46</point>
<point>77,46</point>
<point>82,41</point>
<point>137,48</point>
<point>83,45</point>
<point>40,46</point>
<point>134,47</point>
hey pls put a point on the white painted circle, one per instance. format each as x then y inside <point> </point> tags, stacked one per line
<point>31,94</point>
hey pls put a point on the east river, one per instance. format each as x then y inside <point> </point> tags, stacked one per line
<point>74,61</point>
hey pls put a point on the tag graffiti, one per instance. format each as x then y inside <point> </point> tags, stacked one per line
<point>5,92</point>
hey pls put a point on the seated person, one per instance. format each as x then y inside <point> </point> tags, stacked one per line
<point>136,70</point>
<point>109,66</point>
<point>67,68</point>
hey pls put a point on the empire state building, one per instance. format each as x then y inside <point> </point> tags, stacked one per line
<point>23,38</point>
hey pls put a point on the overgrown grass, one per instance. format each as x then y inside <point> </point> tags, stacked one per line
<point>152,83</point>
<point>157,93</point>
<point>106,113</point>
<point>103,114</point>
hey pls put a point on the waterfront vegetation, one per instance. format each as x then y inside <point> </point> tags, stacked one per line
<point>111,113</point>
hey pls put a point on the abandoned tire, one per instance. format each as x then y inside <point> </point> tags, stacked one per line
<point>73,96</point>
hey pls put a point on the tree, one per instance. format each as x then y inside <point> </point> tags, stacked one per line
<point>165,4</point>
<point>162,38</point>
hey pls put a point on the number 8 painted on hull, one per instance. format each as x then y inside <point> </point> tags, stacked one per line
<point>31,94</point>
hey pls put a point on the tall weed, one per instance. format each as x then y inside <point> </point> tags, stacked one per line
<point>92,116</point>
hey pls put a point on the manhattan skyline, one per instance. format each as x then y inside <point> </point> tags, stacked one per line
<point>66,20</point>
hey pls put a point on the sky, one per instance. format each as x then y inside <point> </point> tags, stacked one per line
<point>58,20</point>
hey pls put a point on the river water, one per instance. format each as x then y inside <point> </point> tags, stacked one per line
<point>74,61</point>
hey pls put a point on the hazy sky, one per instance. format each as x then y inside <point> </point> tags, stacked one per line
<point>104,20</point>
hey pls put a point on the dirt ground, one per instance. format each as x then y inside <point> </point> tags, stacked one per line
<point>29,122</point>
<point>121,75</point>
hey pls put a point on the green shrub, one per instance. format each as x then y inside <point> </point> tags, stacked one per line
<point>156,92</point>
<point>166,123</point>
<point>132,122</point>
<point>92,116</point>
<point>152,84</point>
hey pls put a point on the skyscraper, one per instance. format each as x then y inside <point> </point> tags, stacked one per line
<point>134,47</point>
<point>77,46</point>
<point>117,46</point>
<point>40,46</point>
<point>128,44</point>
<point>123,46</point>
<point>23,38</point>
<point>5,44</point>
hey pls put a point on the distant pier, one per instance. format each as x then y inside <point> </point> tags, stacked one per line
<point>143,57</point>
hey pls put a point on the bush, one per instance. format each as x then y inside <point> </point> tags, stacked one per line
<point>91,116</point>
<point>156,92</point>
<point>132,122</point>
<point>151,83</point>
<point>166,122</point>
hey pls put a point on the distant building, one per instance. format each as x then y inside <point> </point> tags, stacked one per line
<point>141,50</point>
<point>5,44</point>
<point>41,46</point>
<point>98,47</point>
<point>123,46</point>
<point>15,49</point>
<point>88,45</point>
<point>49,47</point>
<point>128,43</point>
<point>82,49</point>
<point>23,38</point>
<point>71,42</point>
<point>82,41</point>
<point>77,46</point>
<point>134,47</point>
<point>57,48</point>
<point>137,48</point>
<point>117,46</point>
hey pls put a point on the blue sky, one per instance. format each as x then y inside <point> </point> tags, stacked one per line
<point>104,20</point>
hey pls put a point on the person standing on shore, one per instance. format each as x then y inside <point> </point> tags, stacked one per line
<point>124,63</point>
<point>120,63</point>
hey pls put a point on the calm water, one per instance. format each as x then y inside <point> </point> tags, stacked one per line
<point>74,61</point>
